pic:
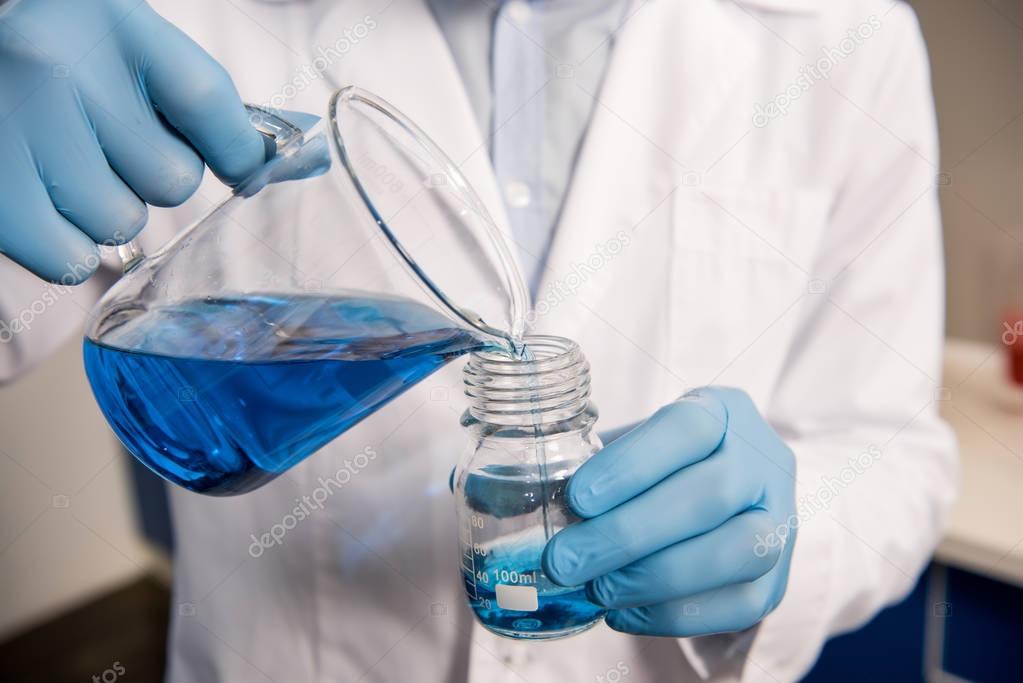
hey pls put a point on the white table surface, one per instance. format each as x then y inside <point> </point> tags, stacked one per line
<point>985,534</point>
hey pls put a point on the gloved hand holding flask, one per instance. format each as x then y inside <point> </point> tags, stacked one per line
<point>94,130</point>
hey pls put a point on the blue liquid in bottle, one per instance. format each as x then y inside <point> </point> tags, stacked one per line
<point>513,572</point>
<point>222,395</point>
<point>504,582</point>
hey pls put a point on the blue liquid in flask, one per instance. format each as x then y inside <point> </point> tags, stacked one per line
<point>222,395</point>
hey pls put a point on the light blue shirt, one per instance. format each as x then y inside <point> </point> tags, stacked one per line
<point>533,70</point>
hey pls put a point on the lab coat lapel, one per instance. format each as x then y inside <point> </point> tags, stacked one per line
<point>405,59</point>
<point>672,68</point>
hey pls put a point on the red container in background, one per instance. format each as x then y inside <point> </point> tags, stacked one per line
<point>1012,338</point>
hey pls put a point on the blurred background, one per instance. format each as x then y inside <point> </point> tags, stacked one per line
<point>85,542</point>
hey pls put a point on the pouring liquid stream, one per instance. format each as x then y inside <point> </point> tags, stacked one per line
<point>526,354</point>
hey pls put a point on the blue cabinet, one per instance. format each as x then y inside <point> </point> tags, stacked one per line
<point>889,648</point>
<point>983,629</point>
<point>953,622</point>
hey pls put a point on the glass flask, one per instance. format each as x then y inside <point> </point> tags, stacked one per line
<point>354,263</point>
<point>531,426</point>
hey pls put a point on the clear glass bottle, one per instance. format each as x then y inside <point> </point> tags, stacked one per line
<point>531,423</point>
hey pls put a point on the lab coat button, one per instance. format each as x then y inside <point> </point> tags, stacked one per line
<point>519,11</point>
<point>517,194</point>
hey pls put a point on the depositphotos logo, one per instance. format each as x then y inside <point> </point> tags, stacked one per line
<point>306,505</point>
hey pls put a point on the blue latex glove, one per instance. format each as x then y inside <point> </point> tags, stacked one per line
<point>676,514</point>
<point>104,107</point>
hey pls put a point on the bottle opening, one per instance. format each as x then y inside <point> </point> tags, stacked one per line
<point>550,382</point>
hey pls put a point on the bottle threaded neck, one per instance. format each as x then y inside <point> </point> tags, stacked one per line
<point>550,385</point>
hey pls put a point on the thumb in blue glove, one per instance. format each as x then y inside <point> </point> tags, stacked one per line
<point>105,107</point>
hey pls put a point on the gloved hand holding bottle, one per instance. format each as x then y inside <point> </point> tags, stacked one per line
<point>105,107</point>
<point>676,513</point>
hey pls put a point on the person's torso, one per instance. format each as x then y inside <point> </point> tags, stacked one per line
<point>687,238</point>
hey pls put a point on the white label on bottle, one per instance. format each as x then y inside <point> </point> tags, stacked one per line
<point>517,598</point>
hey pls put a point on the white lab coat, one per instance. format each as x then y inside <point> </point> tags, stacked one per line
<point>799,260</point>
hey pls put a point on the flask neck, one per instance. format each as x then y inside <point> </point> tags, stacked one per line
<point>550,385</point>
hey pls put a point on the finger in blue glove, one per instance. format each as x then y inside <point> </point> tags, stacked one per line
<point>106,107</point>
<point>672,514</point>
